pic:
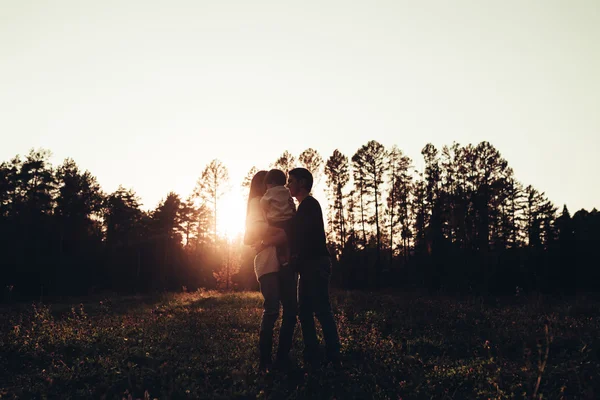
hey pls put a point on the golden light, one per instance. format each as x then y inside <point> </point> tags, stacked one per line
<point>231,215</point>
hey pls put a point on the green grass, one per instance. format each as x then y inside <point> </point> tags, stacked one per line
<point>203,345</point>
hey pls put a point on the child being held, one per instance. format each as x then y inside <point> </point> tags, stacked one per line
<point>279,208</point>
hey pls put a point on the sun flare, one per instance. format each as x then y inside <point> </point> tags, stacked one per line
<point>231,215</point>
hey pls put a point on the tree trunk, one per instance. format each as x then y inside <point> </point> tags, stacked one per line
<point>392,205</point>
<point>362,216</point>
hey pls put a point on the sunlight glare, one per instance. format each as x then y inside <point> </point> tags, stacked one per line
<point>232,215</point>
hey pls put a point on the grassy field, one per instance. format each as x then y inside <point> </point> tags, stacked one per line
<point>203,345</point>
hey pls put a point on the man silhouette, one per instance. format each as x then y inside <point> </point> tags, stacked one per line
<point>312,260</point>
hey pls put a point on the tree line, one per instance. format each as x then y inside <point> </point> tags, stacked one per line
<point>463,224</point>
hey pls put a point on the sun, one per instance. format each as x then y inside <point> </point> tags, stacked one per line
<point>231,215</point>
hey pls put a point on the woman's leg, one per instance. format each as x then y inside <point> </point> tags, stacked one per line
<point>288,295</point>
<point>269,287</point>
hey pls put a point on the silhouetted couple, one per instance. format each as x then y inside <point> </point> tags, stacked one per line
<point>289,243</point>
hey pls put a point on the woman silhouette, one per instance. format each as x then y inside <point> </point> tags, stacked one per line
<point>277,285</point>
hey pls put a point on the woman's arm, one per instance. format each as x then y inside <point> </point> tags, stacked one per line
<point>272,237</point>
<point>254,234</point>
<point>258,230</point>
<point>255,223</point>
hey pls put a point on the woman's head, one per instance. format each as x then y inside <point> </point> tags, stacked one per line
<point>257,185</point>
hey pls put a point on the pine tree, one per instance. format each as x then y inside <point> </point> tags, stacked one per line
<point>398,193</point>
<point>370,164</point>
<point>286,162</point>
<point>312,161</point>
<point>338,176</point>
<point>211,187</point>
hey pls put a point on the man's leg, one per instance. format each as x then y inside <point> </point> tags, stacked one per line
<point>306,314</point>
<point>288,294</point>
<point>269,287</point>
<point>322,307</point>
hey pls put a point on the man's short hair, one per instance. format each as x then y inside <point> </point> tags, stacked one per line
<point>302,173</point>
<point>275,177</point>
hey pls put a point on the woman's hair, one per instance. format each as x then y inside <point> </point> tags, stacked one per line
<point>257,187</point>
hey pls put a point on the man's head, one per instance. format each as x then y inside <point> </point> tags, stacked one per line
<point>275,177</point>
<point>300,182</point>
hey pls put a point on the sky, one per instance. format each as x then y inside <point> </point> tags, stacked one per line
<point>145,94</point>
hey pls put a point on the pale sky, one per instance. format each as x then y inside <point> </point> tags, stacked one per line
<point>146,93</point>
